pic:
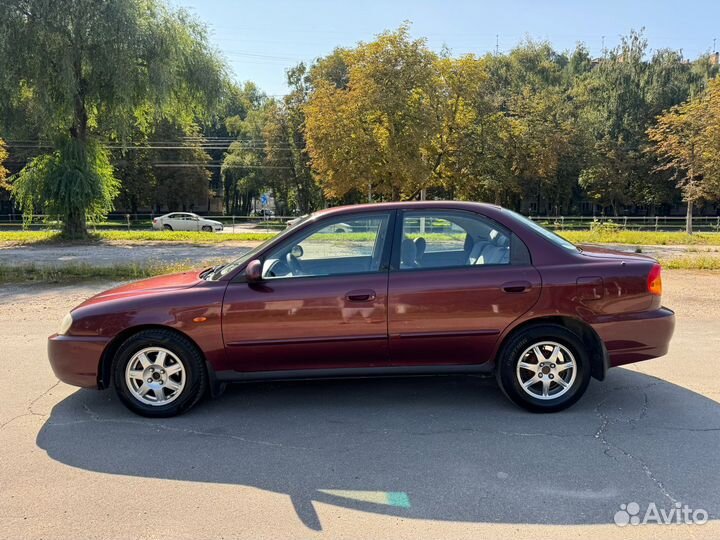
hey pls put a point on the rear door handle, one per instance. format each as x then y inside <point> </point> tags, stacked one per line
<point>516,286</point>
<point>362,295</point>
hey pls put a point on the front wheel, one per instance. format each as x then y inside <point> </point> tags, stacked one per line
<point>159,373</point>
<point>207,228</point>
<point>544,368</point>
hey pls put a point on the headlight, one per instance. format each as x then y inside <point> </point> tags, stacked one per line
<point>65,324</point>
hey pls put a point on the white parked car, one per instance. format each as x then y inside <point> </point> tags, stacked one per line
<point>185,221</point>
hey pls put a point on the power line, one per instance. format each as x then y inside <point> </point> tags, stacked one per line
<point>216,166</point>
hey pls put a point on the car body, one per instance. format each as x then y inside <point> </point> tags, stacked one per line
<point>185,221</point>
<point>425,288</point>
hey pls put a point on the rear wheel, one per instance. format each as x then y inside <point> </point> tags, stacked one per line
<point>544,368</point>
<point>167,227</point>
<point>159,373</point>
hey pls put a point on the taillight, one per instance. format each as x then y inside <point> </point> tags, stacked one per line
<point>154,220</point>
<point>655,280</point>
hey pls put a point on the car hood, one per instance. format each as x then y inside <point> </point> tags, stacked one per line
<point>602,252</point>
<point>153,285</point>
<point>212,221</point>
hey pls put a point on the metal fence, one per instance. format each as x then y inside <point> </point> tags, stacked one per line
<point>631,223</point>
<point>137,222</point>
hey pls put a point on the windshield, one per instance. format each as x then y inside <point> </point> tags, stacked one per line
<point>225,269</point>
<point>554,238</point>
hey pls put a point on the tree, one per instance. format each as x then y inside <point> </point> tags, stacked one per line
<point>91,70</point>
<point>618,101</point>
<point>180,173</point>
<point>288,169</point>
<point>687,139</point>
<point>243,169</point>
<point>375,134</point>
<point>74,180</point>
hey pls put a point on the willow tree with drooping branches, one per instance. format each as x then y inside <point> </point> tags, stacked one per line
<point>90,71</point>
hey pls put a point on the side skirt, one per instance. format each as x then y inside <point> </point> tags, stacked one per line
<point>352,373</point>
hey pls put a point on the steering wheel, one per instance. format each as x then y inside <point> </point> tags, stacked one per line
<point>293,264</point>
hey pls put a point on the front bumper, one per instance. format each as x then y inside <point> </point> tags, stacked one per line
<point>637,336</point>
<point>76,359</point>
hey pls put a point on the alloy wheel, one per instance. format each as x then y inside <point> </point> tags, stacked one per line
<point>155,376</point>
<point>546,370</point>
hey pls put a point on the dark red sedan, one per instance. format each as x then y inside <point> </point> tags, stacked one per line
<point>385,289</point>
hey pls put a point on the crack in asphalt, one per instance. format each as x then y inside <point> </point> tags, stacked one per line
<point>601,435</point>
<point>29,408</point>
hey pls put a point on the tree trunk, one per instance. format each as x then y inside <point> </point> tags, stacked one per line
<point>688,218</point>
<point>75,225</point>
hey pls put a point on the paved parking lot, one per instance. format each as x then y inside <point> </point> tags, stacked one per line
<point>415,458</point>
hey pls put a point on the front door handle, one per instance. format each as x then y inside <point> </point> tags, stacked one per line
<point>516,286</point>
<point>362,295</point>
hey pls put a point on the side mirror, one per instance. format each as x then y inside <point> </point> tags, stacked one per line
<point>253,271</point>
<point>297,251</point>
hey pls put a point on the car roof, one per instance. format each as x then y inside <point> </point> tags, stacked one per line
<point>413,205</point>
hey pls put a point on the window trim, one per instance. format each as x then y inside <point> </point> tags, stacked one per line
<point>385,248</point>
<point>397,241</point>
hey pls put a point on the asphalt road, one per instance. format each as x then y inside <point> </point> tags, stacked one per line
<point>445,457</point>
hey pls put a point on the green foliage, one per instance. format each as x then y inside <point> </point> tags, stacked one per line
<point>387,119</point>
<point>75,181</point>
<point>687,138</point>
<point>3,170</point>
<point>378,134</point>
<point>103,69</point>
<point>619,100</point>
<point>106,66</point>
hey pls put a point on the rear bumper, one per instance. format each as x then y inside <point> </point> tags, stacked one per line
<point>637,336</point>
<point>76,359</point>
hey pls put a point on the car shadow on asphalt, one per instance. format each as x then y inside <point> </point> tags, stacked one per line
<point>442,448</point>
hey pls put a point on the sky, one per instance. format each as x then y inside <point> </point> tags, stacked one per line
<point>261,39</point>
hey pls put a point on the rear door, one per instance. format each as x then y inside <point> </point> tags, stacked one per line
<point>322,302</point>
<point>188,222</point>
<point>178,222</point>
<point>457,280</point>
<point>171,220</point>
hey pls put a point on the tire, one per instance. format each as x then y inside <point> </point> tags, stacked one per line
<point>176,390</point>
<point>207,228</point>
<point>167,227</point>
<point>556,387</point>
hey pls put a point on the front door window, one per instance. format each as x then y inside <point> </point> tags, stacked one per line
<point>352,245</point>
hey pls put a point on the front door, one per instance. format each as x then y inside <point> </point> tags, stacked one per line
<point>458,280</point>
<point>322,302</point>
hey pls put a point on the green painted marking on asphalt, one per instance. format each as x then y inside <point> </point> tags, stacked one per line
<point>398,498</point>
